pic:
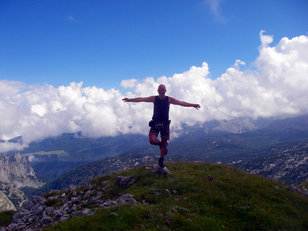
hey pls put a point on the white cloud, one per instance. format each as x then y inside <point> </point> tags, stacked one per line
<point>278,85</point>
<point>130,83</point>
<point>215,6</point>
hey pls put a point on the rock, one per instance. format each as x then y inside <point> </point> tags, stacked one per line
<point>126,199</point>
<point>87,212</point>
<point>27,205</point>
<point>5,203</point>
<point>46,220</point>
<point>108,203</point>
<point>163,171</point>
<point>123,181</point>
<point>293,188</point>
<point>49,211</point>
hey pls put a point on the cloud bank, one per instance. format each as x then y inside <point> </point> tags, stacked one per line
<point>276,86</point>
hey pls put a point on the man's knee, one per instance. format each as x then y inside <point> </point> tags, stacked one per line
<point>153,139</point>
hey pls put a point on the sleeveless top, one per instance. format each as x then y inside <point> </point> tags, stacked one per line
<point>161,110</point>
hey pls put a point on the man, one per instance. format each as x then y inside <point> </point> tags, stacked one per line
<point>160,120</point>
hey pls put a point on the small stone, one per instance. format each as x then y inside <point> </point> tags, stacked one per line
<point>163,171</point>
<point>87,212</point>
<point>27,205</point>
<point>46,220</point>
<point>123,181</point>
<point>126,199</point>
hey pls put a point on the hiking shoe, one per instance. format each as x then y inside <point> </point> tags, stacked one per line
<point>161,162</point>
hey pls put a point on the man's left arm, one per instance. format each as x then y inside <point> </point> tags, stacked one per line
<point>183,103</point>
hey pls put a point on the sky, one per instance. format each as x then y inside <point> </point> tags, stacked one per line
<point>66,65</point>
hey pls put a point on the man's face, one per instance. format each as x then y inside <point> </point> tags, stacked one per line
<point>161,90</point>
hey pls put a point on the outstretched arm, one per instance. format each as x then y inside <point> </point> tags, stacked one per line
<point>183,103</point>
<point>149,99</point>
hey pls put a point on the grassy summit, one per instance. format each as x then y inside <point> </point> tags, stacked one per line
<point>196,197</point>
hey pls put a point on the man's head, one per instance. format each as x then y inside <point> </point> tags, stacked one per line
<point>161,89</point>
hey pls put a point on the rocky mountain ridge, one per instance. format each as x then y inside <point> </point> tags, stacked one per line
<point>287,163</point>
<point>15,173</point>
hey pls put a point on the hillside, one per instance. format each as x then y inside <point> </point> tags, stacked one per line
<point>196,196</point>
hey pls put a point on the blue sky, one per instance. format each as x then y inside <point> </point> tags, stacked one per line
<point>101,42</point>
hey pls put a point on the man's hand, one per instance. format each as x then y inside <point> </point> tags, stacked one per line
<point>197,106</point>
<point>125,100</point>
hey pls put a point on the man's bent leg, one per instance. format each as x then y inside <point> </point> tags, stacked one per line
<point>153,139</point>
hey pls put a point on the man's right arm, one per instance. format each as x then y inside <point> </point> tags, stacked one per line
<point>149,99</point>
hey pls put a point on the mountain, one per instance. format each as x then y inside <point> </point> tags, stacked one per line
<point>84,173</point>
<point>287,163</point>
<point>196,196</point>
<point>75,147</point>
<point>16,173</point>
<point>53,156</point>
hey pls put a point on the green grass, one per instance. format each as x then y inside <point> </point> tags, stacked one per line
<point>191,200</point>
<point>6,217</point>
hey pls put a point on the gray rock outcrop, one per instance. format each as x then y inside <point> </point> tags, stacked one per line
<point>15,173</point>
<point>5,203</point>
<point>57,206</point>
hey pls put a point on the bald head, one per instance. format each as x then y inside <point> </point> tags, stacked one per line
<point>161,89</point>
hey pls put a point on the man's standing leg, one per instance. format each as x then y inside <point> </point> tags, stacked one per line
<point>163,144</point>
<point>163,147</point>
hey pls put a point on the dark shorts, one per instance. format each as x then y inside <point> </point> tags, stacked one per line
<point>163,129</point>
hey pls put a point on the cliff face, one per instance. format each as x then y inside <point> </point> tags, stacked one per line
<point>17,170</point>
<point>15,173</point>
<point>5,203</point>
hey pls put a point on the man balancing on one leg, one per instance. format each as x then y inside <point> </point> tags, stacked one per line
<point>160,120</point>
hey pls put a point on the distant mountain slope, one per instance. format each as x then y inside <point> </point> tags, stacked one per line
<point>195,196</point>
<point>53,156</point>
<point>287,163</point>
<point>86,172</point>
<point>79,148</point>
